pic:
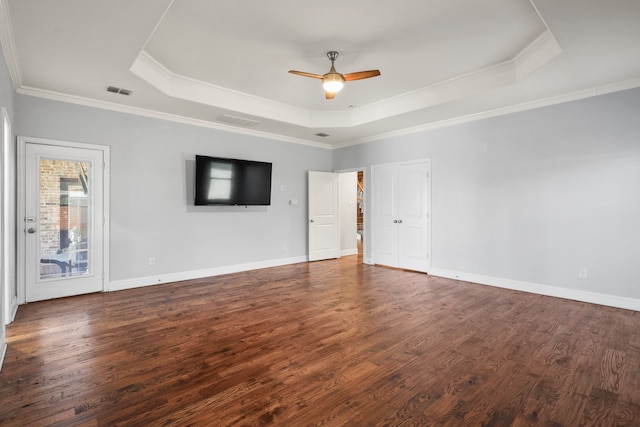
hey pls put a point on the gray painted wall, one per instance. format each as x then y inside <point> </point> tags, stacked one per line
<point>533,196</point>
<point>6,88</point>
<point>152,212</point>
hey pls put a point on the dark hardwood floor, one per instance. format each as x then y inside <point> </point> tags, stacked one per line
<point>327,343</point>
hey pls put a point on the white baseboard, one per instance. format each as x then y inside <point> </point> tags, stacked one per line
<point>139,282</point>
<point>11,314</point>
<point>14,310</point>
<point>3,351</point>
<point>346,252</point>
<point>535,288</point>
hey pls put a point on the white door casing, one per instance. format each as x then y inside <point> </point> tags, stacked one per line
<point>8,220</point>
<point>324,227</point>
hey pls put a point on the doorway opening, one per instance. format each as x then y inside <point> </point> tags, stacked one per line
<point>353,218</point>
<point>360,212</point>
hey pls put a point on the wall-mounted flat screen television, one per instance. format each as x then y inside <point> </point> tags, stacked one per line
<point>221,181</point>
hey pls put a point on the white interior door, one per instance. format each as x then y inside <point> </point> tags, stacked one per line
<point>385,215</point>
<point>324,227</point>
<point>64,221</point>
<point>413,216</point>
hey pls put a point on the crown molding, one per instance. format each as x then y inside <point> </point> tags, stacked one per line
<point>87,102</point>
<point>573,96</point>
<point>530,105</point>
<point>8,45</point>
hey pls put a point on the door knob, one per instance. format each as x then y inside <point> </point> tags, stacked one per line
<point>31,230</point>
<point>310,220</point>
<point>395,221</point>
<point>399,221</point>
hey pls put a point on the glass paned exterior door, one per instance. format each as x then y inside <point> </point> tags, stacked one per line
<point>64,221</point>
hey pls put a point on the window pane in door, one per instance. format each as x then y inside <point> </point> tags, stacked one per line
<point>64,220</point>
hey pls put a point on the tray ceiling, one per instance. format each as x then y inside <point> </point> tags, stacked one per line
<point>224,64</point>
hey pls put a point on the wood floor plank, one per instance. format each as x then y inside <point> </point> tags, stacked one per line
<point>334,343</point>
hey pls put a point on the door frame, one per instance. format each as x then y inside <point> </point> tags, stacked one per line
<point>21,206</point>
<point>8,228</point>
<point>366,246</point>
<point>429,207</point>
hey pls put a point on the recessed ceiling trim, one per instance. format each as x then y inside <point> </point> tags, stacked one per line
<point>440,93</point>
<point>177,86</point>
<point>540,51</point>
<point>530,58</point>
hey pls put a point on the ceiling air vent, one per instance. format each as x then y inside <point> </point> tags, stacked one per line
<point>238,121</point>
<point>119,90</point>
<point>322,134</point>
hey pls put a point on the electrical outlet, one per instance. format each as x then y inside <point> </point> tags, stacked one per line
<point>582,273</point>
<point>152,260</point>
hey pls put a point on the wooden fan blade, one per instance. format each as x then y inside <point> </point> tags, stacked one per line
<point>360,75</point>
<point>303,74</point>
<point>329,95</point>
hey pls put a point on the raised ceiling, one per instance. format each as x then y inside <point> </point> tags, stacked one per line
<point>224,63</point>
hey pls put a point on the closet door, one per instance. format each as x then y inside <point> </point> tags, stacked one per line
<point>401,202</point>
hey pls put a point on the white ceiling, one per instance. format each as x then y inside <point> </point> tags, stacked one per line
<point>224,63</point>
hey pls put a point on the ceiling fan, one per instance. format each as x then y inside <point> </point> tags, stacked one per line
<point>332,82</point>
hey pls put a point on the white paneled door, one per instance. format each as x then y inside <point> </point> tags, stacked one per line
<point>385,215</point>
<point>401,203</point>
<point>324,227</point>
<point>64,221</point>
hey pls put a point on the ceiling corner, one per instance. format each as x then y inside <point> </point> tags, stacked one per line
<point>8,45</point>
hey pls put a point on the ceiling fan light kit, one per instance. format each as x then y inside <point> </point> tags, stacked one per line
<point>333,81</point>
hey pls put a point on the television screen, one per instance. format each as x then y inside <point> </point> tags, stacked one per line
<point>221,181</point>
